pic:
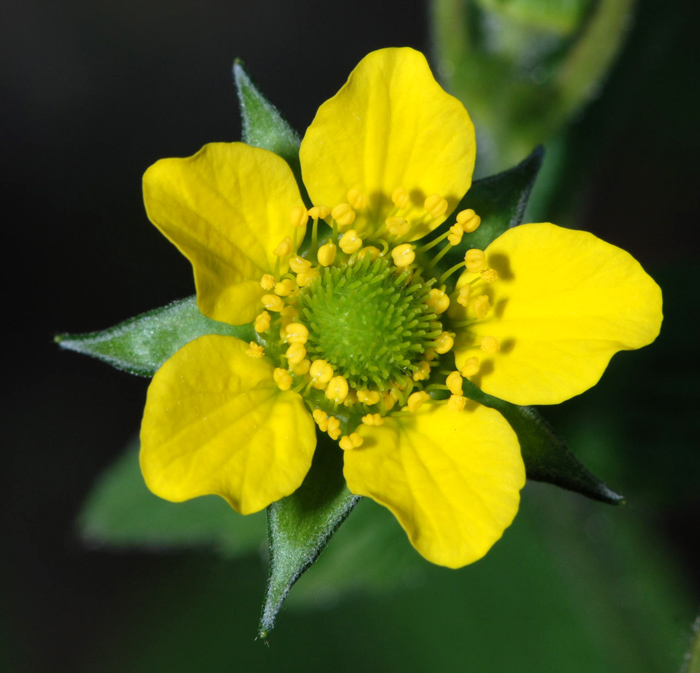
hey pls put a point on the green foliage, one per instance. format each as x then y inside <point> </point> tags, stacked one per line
<point>142,344</point>
<point>121,512</point>
<point>300,526</point>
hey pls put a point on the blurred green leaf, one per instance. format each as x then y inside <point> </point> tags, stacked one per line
<point>301,525</point>
<point>142,344</point>
<point>263,125</point>
<point>546,456</point>
<point>500,201</point>
<point>121,512</point>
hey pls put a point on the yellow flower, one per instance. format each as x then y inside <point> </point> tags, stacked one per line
<point>354,347</point>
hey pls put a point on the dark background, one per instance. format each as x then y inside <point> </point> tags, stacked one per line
<point>96,91</point>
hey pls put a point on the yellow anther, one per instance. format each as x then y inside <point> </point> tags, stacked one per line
<point>284,248</point>
<point>289,312</point>
<point>481,306</point>
<point>321,418</point>
<point>337,389</point>
<point>295,353</point>
<point>416,400</point>
<point>299,264</point>
<point>454,383</point>
<point>397,226</point>
<point>444,343</point>
<point>326,254</point>
<point>351,398</point>
<point>435,205</point>
<point>298,216</point>
<point>403,255</point>
<point>321,373</point>
<point>368,396</point>
<point>430,354</point>
<point>255,350</point>
<point>262,322</point>
<point>297,333</point>
<point>302,368</point>
<point>373,419</point>
<point>465,293</point>
<point>423,371</point>
<point>469,220</point>
<point>456,402</point>
<point>489,275</point>
<point>282,378</point>
<point>399,198</point>
<point>369,251</point>
<point>319,212</point>
<point>343,214</point>
<point>272,302</point>
<point>285,287</point>
<point>267,282</point>
<point>349,442</point>
<point>350,242</point>
<point>307,277</point>
<point>455,235</point>
<point>470,367</point>
<point>475,260</point>
<point>333,427</point>
<point>489,345</point>
<point>389,401</point>
<point>357,199</point>
<point>438,301</point>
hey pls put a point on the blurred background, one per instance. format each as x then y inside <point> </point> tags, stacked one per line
<point>95,91</point>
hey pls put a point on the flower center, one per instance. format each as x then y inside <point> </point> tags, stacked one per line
<point>369,321</point>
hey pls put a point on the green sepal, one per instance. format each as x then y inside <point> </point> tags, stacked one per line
<point>546,456</point>
<point>142,344</point>
<point>500,201</point>
<point>120,512</point>
<point>300,526</point>
<point>264,126</point>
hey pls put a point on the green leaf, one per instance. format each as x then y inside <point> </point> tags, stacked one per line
<point>121,512</point>
<point>142,344</point>
<point>546,456</point>
<point>500,201</point>
<point>263,125</point>
<point>300,526</point>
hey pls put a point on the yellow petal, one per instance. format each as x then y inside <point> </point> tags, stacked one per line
<point>216,422</point>
<point>565,303</point>
<point>451,478</point>
<point>391,125</point>
<point>226,209</point>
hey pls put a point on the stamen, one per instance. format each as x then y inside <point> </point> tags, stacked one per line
<point>357,199</point>
<point>302,368</point>
<point>449,272</point>
<point>319,212</point>
<point>272,302</point>
<point>465,292</point>
<point>399,197</point>
<point>267,282</point>
<point>333,427</point>
<point>343,214</point>
<point>349,442</point>
<point>321,418</point>
<point>489,345</point>
<point>475,260</point>
<point>368,396</point>
<point>387,401</point>
<point>337,389</point>
<point>321,373</point>
<point>403,255</point>
<point>255,350</point>
<point>298,217</point>
<point>444,343</point>
<point>282,378</point>
<point>423,371</point>
<point>295,353</point>
<point>285,287</point>
<point>470,367</point>
<point>481,306</point>
<point>297,333</point>
<point>454,383</point>
<point>350,242</point>
<point>455,235</point>
<point>489,275</point>
<point>305,278</point>
<point>373,419</point>
<point>369,251</point>
<point>469,220</point>
<point>326,254</point>
<point>416,400</point>
<point>262,322</point>
<point>284,248</point>
<point>397,226</point>
<point>299,264</point>
<point>435,205</point>
<point>438,301</point>
<point>456,402</point>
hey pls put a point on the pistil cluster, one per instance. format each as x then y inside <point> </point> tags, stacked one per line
<point>357,326</point>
